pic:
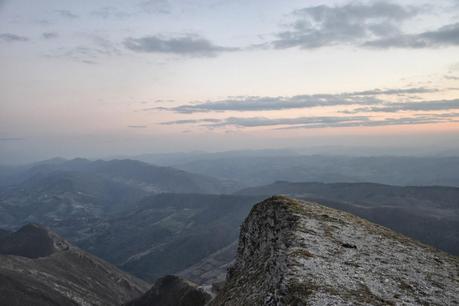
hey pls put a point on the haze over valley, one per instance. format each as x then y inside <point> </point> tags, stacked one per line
<point>208,152</point>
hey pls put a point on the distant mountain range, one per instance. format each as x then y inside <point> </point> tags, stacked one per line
<point>153,221</point>
<point>167,233</point>
<point>59,190</point>
<point>256,170</point>
<point>130,172</point>
<point>194,235</point>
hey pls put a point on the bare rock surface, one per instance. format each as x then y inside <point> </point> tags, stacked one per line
<point>37,267</point>
<point>302,253</point>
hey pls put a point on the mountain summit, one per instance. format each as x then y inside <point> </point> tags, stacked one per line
<point>302,253</point>
<point>32,241</point>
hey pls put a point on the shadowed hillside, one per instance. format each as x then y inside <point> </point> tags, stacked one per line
<point>39,268</point>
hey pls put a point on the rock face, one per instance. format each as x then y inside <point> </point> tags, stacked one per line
<point>37,267</point>
<point>301,253</point>
<point>172,291</point>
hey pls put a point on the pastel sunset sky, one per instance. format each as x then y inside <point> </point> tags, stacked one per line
<point>100,78</point>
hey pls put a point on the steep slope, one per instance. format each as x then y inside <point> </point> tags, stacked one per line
<point>172,291</point>
<point>300,253</point>
<point>172,232</point>
<point>37,267</point>
<point>429,214</point>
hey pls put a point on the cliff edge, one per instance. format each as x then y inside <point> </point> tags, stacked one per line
<point>302,253</point>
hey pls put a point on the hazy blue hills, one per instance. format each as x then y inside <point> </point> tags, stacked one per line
<point>393,170</point>
<point>194,234</point>
<point>60,195</point>
<point>429,214</point>
<point>70,190</point>
<point>140,174</point>
<point>168,233</point>
<point>153,221</point>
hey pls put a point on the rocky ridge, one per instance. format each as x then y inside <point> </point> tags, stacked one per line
<point>38,267</point>
<point>302,253</point>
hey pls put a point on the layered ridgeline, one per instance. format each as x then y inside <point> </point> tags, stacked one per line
<point>130,172</point>
<point>37,267</point>
<point>289,253</point>
<point>172,234</point>
<point>302,253</point>
<point>429,214</point>
<point>78,190</point>
<point>258,169</point>
<point>195,235</point>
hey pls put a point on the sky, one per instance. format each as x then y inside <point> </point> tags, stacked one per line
<point>99,78</point>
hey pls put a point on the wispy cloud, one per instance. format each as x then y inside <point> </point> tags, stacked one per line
<point>149,7</point>
<point>262,121</point>
<point>317,121</point>
<point>96,48</point>
<point>156,6</point>
<point>137,126</point>
<point>66,14</point>
<point>50,35</point>
<point>185,45</point>
<point>9,37</point>
<point>244,104</point>
<point>106,12</point>
<point>394,91</point>
<point>191,121</point>
<point>255,103</point>
<point>436,105</point>
<point>379,122</point>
